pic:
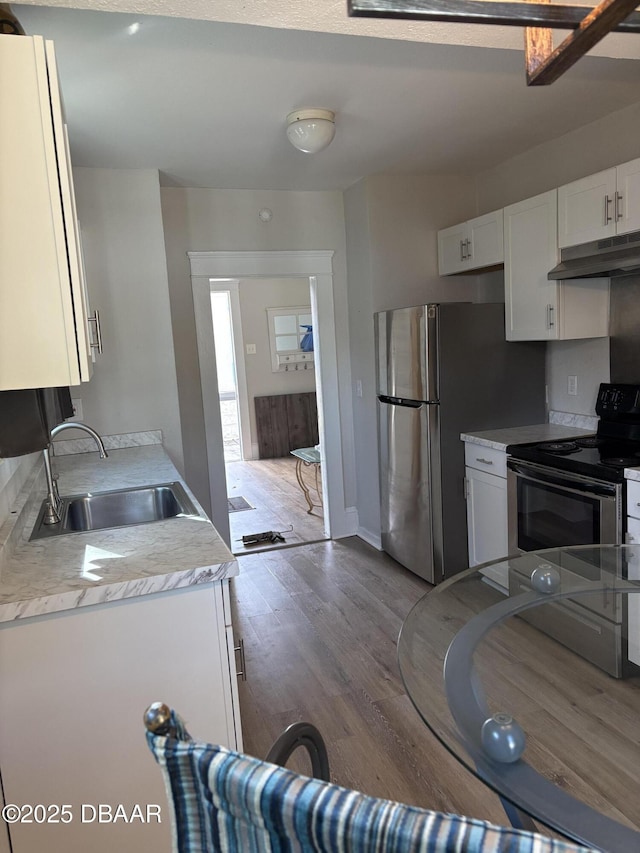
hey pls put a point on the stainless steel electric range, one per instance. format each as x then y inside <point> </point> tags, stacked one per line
<point>572,492</point>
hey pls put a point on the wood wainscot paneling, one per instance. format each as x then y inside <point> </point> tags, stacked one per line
<point>286,422</point>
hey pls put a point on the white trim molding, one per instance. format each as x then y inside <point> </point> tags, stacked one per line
<point>317,266</point>
<point>270,264</point>
<point>373,539</point>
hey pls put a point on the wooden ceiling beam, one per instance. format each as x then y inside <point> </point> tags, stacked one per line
<point>543,70</point>
<point>538,47</point>
<point>509,14</point>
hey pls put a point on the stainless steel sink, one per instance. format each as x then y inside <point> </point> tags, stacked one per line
<point>118,508</point>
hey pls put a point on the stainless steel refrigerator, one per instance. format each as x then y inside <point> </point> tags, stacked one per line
<point>442,370</point>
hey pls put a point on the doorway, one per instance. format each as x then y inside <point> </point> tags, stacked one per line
<point>267,342</point>
<point>317,267</point>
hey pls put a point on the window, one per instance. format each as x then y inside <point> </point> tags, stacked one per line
<point>287,328</point>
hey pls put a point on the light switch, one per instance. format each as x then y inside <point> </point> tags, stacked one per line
<point>251,349</point>
<point>572,385</point>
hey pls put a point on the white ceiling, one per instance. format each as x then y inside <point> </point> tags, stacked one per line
<point>205,102</point>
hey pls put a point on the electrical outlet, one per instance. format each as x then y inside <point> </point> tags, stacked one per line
<point>251,349</point>
<point>358,388</point>
<point>572,386</point>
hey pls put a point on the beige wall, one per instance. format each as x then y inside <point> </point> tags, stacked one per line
<point>134,382</point>
<point>392,224</point>
<point>596,146</point>
<point>256,295</point>
<point>217,220</point>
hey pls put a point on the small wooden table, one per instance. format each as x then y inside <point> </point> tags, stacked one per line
<point>305,458</point>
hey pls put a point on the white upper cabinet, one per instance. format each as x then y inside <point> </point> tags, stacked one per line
<point>44,328</point>
<point>537,309</point>
<point>452,246</point>
<point>600,205</point>
<point>628,189</point>
<point>471,245</point>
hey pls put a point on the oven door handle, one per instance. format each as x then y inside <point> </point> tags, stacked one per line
<point>572,483</point>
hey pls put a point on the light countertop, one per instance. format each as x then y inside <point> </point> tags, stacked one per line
<point>81,569</point>
<point>499,439</point>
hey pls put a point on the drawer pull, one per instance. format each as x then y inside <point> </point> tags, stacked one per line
<point>489,462</point>
<point>98,341</point>
<point>242,672</point>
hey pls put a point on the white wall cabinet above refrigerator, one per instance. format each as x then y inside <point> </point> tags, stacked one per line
<point>471,245</point>
<point>537,309</point>
<point>600,205</point>
<point>45,338</point>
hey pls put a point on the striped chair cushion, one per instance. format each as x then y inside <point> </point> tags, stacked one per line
<point>224,801</point>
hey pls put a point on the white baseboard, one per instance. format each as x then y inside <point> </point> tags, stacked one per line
<point>369,537</point>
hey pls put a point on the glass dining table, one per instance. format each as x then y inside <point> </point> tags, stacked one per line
<point>518,686</point>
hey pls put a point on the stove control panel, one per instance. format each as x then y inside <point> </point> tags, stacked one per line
<point>618,400</point>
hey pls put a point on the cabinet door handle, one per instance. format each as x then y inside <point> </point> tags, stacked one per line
<point>242,672</point>
<point>618,206</point>
<point>550,320</point>
<point>484,461</point>
<point>469,248</point>
<point>607,215</point>
<point>97,344</point>
<point>462,250</point>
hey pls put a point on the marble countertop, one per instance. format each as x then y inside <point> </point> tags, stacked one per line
<point>499,439</point>
<point>632,473</point>
<point>81,569</point>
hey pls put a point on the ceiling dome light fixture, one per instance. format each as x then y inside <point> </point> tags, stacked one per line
<point>311,130</point>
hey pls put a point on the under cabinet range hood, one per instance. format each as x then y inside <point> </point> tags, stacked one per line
<point>608,258</point>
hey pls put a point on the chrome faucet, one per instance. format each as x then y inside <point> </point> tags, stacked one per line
<point>54,504</point>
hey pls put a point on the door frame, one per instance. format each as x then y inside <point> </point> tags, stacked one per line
<point>317,266</point>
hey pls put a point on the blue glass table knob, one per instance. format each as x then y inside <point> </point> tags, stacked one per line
<point>545,578</point>
<point>502,738</point>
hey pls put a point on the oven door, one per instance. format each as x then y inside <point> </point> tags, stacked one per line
<point>550,508</point>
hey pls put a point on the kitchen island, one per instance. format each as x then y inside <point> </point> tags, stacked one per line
<point>94,627</point>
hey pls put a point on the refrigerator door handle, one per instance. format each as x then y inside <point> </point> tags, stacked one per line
<point>399,401</point>
<point>432,350</point>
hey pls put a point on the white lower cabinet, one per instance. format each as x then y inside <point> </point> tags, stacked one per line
<point>486,494</point>
<point>74,687</point>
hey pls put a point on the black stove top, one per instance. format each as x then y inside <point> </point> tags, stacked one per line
<point>606,461</point>
<point>603,456</point>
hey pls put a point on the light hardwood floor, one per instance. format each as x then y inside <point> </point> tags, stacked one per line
<point>271,487</point>
<point>320,624</point>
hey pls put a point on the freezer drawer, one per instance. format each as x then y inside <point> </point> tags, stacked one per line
<point>589,635</point>
<point>406,487</point>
